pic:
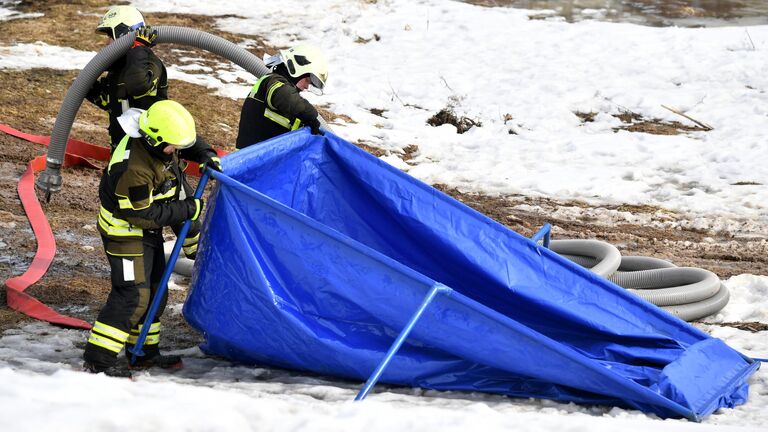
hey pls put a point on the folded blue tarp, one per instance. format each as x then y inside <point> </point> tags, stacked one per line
<point>314,256</point>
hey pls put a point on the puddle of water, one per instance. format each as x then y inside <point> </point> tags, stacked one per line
<point>657,13</point>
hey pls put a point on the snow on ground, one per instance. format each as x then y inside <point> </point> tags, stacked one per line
<point>9,14</point>
<point>40,387</point>
<point>523,79</point>
<point>38,55</point>
<point>490,63</point>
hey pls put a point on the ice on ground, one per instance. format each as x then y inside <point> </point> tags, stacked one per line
<point>40,386</point>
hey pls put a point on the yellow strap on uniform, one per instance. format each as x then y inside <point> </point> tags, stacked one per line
<point>170,194</point>
<point>107,337</point>
<point>191,240</point>
<point>107,330</point>
<point>116,227</point>
<point>105,343</point>
<point>152,90</point>
<point>271,90</point>
<point>152,335</point>
<point>198,209</point>
<point>120,154</point>
<point>277,118</point>
<point>255,87</point>
<point>190,244</point>
<point>152,339</point>
<point>125,203</point>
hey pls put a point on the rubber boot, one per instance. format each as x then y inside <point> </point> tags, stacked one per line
<point>159,360</point>
<point>100,360</point>
<point>153,358</point>
<point>113,371</point>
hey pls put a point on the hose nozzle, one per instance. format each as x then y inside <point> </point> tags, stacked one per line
<point>49,180</point>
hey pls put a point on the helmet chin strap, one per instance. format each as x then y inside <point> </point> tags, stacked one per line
<point>155,148</point>
<point>157,151</point>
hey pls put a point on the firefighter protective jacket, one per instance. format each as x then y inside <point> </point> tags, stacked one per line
<point>136,80</point>
<point>273,107</point>
<point>140,189</point>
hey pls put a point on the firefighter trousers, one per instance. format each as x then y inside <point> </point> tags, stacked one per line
<point>135,280</point>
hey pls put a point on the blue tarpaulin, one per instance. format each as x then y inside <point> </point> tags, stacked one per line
<point>314,255</point>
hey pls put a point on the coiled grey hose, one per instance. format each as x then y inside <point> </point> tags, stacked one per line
<point>689,293</point>
<point>50,181</point>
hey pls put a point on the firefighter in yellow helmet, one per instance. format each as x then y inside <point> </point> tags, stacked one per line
<point>274,105</point>
<point>141,191</point>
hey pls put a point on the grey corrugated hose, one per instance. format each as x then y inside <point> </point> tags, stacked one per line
<point>49,181</point>
<point>689,293</point>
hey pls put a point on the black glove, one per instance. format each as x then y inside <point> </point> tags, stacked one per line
<point>194,206</point>
<point>146,35</point>
<point>191,255</point>
<point>213,163</point>
<point>315,130</point>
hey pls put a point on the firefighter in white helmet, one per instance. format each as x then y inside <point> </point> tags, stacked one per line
<point>274,105</point>
<point>136,80</point>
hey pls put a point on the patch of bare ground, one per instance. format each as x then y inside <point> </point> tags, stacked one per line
<point>718,252</point>
<point>407,153</point>
<point>9,318</point>
<point>634,122</point>
<point>72,24</point>
<point>333,118</point>
<point>448,116</point>
<point>376,151</point>
<point>377,111</point>
<point>752,326</point>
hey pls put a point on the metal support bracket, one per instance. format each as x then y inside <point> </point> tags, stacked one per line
<point>436,289</point>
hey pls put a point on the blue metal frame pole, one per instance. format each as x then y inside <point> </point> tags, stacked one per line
<point>137,348</point>
<point>436,289</point>
<point>544,232</point>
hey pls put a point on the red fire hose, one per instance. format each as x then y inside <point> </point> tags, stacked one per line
<point>76,154</point>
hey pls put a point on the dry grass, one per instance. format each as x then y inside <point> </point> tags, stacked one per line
<point>448,116</point>
<point>634,122</point>
<point>752,326</point>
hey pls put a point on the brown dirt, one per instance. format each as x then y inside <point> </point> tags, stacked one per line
<point>448,116</point>
<point>718,252</point>
<point>635,122</point>
<point>78,280</point>
<point>648,12</point>
<point>333,118</point>
<point>752,326</point>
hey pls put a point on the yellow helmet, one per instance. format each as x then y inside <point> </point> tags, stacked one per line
<point>168,122</point>
<point>309,60</point>
<point>120,20</point>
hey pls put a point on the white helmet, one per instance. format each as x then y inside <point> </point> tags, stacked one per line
<point>120,20</point>
<point>304,60</point>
